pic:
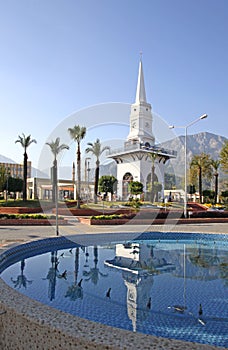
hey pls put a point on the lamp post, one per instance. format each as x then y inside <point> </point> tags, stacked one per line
<point>185,127</point>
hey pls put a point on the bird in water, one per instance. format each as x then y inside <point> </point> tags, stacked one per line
<point>63,275</point>
<point>200,310</point>
<point>108,293</point>
<point>148,305</point>
<point>178,308</point>
<point>80,282</point>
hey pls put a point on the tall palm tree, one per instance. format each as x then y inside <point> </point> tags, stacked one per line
<point>56,148</point>
<point>215,165</point>
<point>77,133</point>
<point>25,142</point>
<point>96,149</point>
<point>201,164</point>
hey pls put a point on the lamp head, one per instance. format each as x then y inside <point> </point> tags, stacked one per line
<point>204,116</point>
<point>171,126</point>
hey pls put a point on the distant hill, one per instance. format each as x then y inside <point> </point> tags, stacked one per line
<point>202,142</point>
<point>4,159</point>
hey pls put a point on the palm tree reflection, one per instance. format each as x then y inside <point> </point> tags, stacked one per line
<point>94,272</point>
<point>75,291</point>
<point>21,280</point>
<point>52,274</point>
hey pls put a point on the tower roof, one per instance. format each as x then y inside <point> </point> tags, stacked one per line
<point>140,92</point>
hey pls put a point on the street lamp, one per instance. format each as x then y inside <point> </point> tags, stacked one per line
<point>204,116</point>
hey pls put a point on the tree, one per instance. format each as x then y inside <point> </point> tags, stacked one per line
<point>14,185</point>
<point>56,148</point>
<point>96,149</point>
<point>153,157</point>
<point>3,177</point>
<point>201,167</point>
<point>224,157</point>
<point>25,142</point>
<point>215,165</point>
<point>107,184</point>
<point>77,133</point>
<point>135,188</point>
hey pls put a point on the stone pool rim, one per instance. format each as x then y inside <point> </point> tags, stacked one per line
<point>66,328</point>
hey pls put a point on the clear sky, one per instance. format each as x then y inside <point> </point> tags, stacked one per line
<point>61,56</point>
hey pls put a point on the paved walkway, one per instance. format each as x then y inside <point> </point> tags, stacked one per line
<point>18,234</point>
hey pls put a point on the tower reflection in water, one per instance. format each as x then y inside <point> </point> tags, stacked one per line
<point>139,265</point>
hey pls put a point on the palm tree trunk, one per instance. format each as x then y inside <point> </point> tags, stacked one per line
<point>200,185</point>
<point>78,186</point>
<point>54,181</point>
<point>216,187</point>
<point>96,181</point>
<point>25,177</point>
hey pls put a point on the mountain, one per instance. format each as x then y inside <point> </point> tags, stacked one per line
<point>198,143</point>
<point>4,159</point>
<point>202,142</point>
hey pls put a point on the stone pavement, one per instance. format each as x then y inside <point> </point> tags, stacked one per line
<point>18,234</point>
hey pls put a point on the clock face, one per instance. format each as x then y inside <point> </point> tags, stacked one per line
<point>147,125</point>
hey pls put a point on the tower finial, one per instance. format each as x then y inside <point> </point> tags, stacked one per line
<point>140,92</point>
<point>140,53</point>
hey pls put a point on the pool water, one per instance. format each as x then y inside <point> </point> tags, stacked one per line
<point>169,288</point>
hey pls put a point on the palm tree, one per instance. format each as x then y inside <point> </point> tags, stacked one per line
<point>25,142</point>
<point>96,149</point>
<point>77,133</point>
<point>224,157</point>
<point>215,165</point>
<point>56,148</point>
<point>201,164</point>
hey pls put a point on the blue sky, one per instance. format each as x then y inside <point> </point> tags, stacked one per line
<point>59,56</point>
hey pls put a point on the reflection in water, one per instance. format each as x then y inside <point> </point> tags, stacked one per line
<point>94,272</point>
<point>170,289</point>
<point>52,274</point>
<point>21,280</point>
<point>75,290</point>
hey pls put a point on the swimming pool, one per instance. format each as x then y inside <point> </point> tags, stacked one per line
<point>168,285</point>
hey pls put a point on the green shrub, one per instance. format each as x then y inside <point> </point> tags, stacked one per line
<point>28,216</point>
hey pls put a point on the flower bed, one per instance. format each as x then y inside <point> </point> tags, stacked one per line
<point>20,210</point>
<point>30,219</point>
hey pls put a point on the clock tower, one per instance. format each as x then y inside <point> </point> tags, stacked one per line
<point>140,159</point>
<point>141,116</point>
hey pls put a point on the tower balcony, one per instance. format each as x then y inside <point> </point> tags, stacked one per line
<point>136,146</point>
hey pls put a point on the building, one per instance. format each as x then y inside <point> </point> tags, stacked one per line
<point>140,156</point>
<point>16,170</point>
<point>41,188</point>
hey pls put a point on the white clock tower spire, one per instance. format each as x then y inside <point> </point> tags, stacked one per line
<point>141,116</point>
